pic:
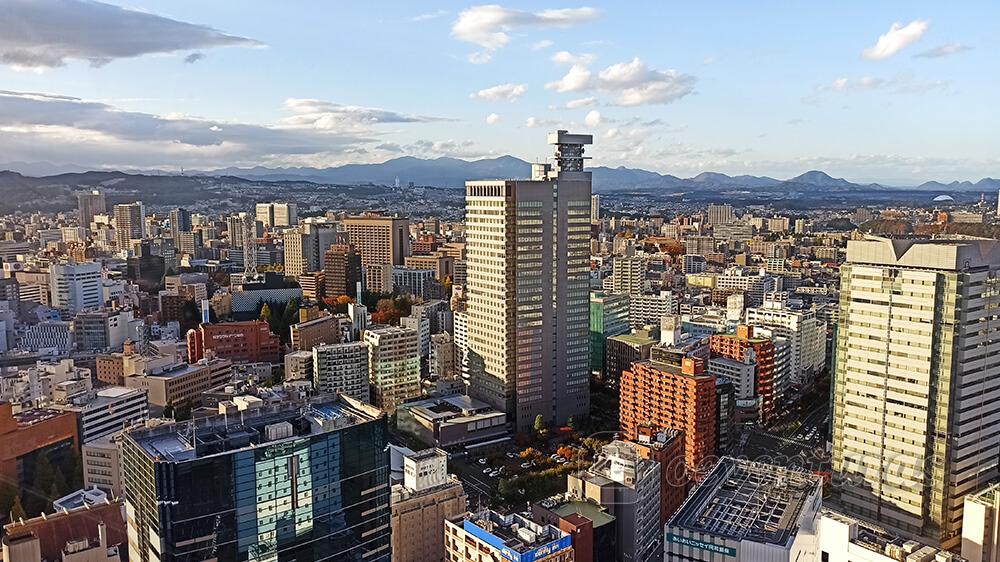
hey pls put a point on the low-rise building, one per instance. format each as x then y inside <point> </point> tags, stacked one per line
<point>182,383</point>
<point>488,535</point>
<point>846,539</point>
<point>451,420</point>
<point>420,505</point>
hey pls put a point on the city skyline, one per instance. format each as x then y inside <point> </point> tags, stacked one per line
<point>679,90</point>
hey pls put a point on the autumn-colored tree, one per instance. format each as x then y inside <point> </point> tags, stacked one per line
<point>530,453</point>
<point>566,452</point>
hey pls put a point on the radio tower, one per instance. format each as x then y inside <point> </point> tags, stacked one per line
<point>250,274</point>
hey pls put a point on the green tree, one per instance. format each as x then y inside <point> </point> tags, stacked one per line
<point>265,313</point>
<point>539,424</point>
<point>17,510</point>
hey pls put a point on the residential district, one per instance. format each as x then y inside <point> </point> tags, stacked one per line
<point>552,378</point>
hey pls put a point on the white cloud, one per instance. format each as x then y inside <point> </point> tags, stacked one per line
<point>708,60</point>
<point>479,57</point>
<point>326,115</point>
<point>576,79</point>
<point>48,33</point>
<point>492,119</point>
<point>430,16</point>
<point>566,57</point>
<point>632,82</point>
<point>593,118</point>
<point>509,92</point>
<point>540,45</point>
<point>896,39</point>
<point>581,102</point>
<point>489,25</point>
<point>944,50</point>
<point>902,83</point>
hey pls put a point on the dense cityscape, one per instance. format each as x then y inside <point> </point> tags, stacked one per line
<point>468,356</point>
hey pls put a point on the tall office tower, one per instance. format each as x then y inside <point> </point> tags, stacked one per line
<point>381,240</point>
<point>190,243</point>
<point>528,246</point>
<point>130,223</point>
<point>234,228</point>
<point>90,203</point>
<point>628,275</point>
<point>285,214</point>
<point>426,498</point>
<point>627,484</point>
<point>180,221</point>
<point>75,286</point>
<point>721,214</point>
<point>595,208</point>
<point>265,214</point>
<point>342,368</point>
<point>298,247</point>
<point>917,375</point>
<point>291,481</point>
<point>608,318</point>
<point>699,245</point>
<point>343,270</point>
<point>393,365</point>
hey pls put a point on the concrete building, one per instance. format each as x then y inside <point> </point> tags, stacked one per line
<point>393,365</point>
<point>441,359</point>
<point>528,276</point>
<point>749,362</point>
<point>30,433</point>
<point>595,208</point>
<point>87,533</point>
<point>275,215</point>
<point>721,214</point>
<point>628,275</point>
<point>747,512</point>
<point>916,322</point>
<point>646,310</point>
<point>342,271</point>
<point>981,525</point>
<point>488,535</point>
<point>130,224</point>
<point>628,486</point>
<point>804,331</point>
<point>299,365</point>
<point>75,286</point>
<point>181,383</point>
<point>105,411</point>
<point>847,539</point>
<point>342,367</point>
<point>442,264</point>
<point>427,498</point>
<point>102,459</point>
<point>90,203</point>
<point>621,351</point>
<point>451,420</point>
<point>589,524</point>
<point>754,284</point>
<point>105,329</point>
<point>382,241</point>
<point>322,330</point>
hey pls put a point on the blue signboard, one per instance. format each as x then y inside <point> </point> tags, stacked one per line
<point>695,543</point>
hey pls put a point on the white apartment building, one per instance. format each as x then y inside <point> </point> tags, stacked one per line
<point>649,309</point>
<point>804,332</point>
<point>628,275</point>
<point>754,283</point>
<point>75,286</point>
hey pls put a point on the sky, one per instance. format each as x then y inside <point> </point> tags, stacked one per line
<point>894,92</point>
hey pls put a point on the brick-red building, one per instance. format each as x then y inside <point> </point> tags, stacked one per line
<point>240,342</point>
<point>32,432</point>
<point>664,396</point>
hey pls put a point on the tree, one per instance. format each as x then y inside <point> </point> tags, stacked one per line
<point>566,452</point>
<point>539,424</point>
<point>265,313</point>
<point>571,423</point>
<point>530,453</point>
<point>17,510</point>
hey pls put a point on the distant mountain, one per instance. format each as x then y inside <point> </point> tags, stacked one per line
<point>454,172</point>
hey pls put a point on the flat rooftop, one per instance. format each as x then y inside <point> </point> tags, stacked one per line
<point>27,418</point>
<point>597,514</point>
<point>513,532</point>
<point>213,435</point>
<point>746,500</point>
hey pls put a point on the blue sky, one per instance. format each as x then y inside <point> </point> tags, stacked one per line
<point>681,88</point>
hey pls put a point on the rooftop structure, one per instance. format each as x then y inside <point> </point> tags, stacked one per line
<point>844,538</point>
<point>513,537</point>
<point>744,508</point>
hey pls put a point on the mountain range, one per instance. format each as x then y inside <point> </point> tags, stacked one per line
<point>453,172</point>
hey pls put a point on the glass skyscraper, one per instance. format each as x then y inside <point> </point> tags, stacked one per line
<point>282,483</point>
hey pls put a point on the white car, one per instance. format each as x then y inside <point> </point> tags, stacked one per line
<point>525,465</point>
<point>486,471</point>
<point>482,461</point>
<point>494,474</point>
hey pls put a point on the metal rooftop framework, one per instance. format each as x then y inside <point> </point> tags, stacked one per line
<point>745,500</point>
